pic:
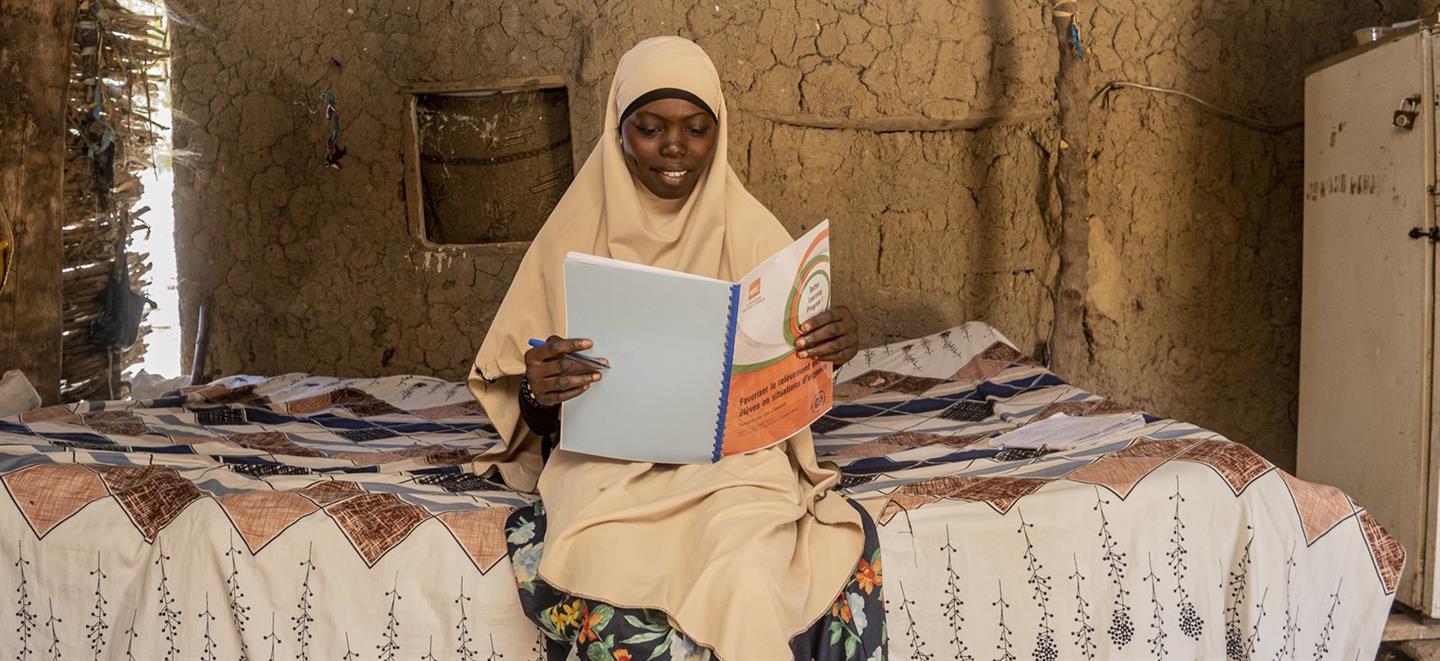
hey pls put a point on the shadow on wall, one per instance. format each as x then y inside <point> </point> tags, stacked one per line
<point>1196,244</point>
<point>983,275</point>
<point>1245,219</point>
<point>987,274</point>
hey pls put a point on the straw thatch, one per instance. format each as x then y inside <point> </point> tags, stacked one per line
<point>118,63</point>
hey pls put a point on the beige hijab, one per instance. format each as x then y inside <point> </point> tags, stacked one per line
<point>742,554</point>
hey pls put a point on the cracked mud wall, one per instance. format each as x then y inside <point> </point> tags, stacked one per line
<point>1196,244</point>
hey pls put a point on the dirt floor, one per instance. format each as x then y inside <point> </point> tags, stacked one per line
<point>1195,241</point>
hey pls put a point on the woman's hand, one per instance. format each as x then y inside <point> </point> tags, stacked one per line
<point>831,336</point>
<point>553,377</point>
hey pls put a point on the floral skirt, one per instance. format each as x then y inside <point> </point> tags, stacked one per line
<point>854,629</point>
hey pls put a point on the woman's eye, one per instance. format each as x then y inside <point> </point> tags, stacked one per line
<point>648,130</point>
<point>698,130</point>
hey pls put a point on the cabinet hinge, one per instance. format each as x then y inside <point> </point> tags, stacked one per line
<point>1433,234</point>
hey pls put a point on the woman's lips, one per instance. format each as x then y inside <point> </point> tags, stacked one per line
<point>673,177</point>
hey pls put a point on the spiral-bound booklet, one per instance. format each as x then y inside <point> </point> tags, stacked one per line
<point>700,368</point>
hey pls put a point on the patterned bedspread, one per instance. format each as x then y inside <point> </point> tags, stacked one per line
<point>305,517</point>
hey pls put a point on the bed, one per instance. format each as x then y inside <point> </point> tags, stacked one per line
<point>309,517</point>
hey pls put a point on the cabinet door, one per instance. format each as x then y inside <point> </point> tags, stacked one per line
<point>1364,321</point>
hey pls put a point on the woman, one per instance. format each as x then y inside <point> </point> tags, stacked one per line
<point>753,557</point>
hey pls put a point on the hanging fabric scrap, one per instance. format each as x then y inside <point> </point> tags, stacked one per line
<point>1065,10</point>
<point>333,151</point>
<point>1075,40</point>
<point>100,147</point>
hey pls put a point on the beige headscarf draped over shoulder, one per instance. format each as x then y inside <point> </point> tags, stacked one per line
<point>741,554</point>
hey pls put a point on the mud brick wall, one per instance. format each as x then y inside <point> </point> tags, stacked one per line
<point>1196,257</point>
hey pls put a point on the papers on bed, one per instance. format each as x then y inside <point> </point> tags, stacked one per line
<point>1066,432</point>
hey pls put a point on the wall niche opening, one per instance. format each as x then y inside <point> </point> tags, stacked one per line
<point>490,164</point>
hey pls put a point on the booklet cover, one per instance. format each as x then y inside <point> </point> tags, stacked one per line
<point>700,368</point>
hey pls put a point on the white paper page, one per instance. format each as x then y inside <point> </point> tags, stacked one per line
<point>777,288</point>
<point>664,335</point>
<point>1064,432</point>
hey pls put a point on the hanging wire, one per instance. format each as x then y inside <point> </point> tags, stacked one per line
<point>300,101</point>
<point>1257,124</point>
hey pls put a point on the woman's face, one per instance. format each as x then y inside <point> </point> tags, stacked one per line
<point>668,143</point>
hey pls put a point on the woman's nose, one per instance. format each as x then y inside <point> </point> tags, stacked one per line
<point>672,147</point>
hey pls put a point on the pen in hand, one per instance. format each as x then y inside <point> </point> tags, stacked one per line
<point>596,363</point>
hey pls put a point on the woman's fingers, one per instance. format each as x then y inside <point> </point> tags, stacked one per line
<point>831,336</point>
<point>838,358</point>
<point>819,336</point>
<point>835,350</point>
<point>553,398</point>
<point>824,340</point>
<point>558,368</point>
<point>554,379</point>
<point>549,359</point>
<point>558,383</point>
<point>573,365</point>
<point>556,389</point>
<point>830,324</point>
<point>557,347</point>
<point>825,317</point>
<point>552,390</point>
<point>832,350</point>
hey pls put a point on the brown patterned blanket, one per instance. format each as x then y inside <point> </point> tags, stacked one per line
<point>306,517</point>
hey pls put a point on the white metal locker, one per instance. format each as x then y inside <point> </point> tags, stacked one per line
<point>1368,292</point>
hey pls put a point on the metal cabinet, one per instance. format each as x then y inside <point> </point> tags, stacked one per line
<point>1367,355</point>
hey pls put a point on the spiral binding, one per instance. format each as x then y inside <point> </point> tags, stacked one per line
<point>725,376</point>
